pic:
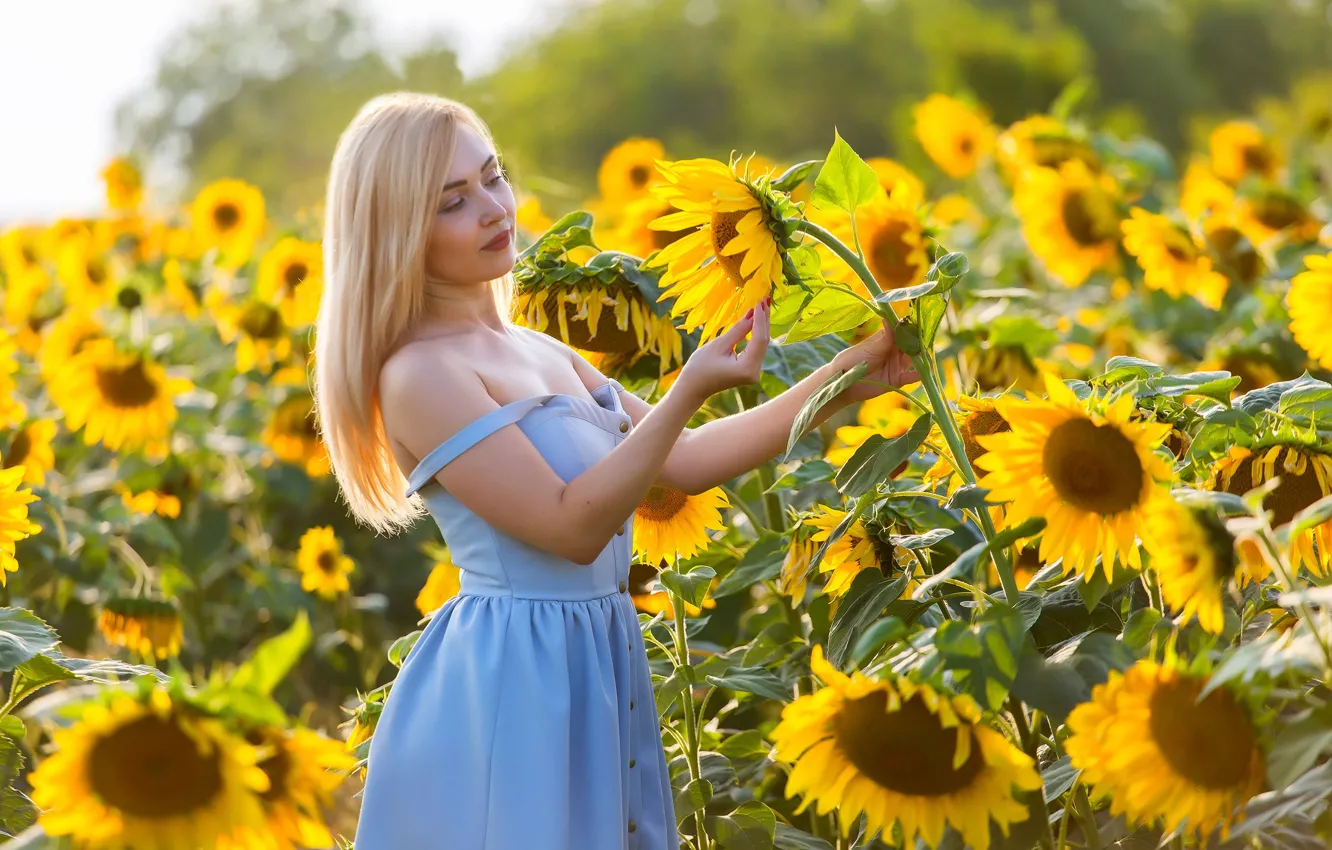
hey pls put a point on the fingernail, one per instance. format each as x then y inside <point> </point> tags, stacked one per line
<point>750,313</point>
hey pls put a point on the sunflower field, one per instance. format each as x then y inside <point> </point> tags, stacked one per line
<point>1070,590</point>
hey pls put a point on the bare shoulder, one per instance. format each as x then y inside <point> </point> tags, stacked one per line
<point>426,395</point>
<point>590,375</point>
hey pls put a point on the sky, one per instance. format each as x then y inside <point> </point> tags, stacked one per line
<point>65,64</point>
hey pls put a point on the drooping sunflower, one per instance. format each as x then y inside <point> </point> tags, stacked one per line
<point>613,320</point>
<point>1161,754</point>
<point>293,436</point>
<point>303,768</point>
<point>443,583</point>
<point>324,568</point>
<point>14,522</point>
<point>670,523</point>
<point>1240,149</point>
<point>1070,219</point>
<point>904,754</point>
<point>1171,260</point>
<point>627,172</point>
<point>1085,467</point>
<point>148,625</point>
<point>147,773</point>
<point>121,398</point>
<point>228,215</point>
<point>892,237</point>
<point>1306,477</point>
<point>30,448</point>
<point>12,409</point>
<point>953,134</point>
<point>1041,141</point>
<point>1193,556</point>
<point>1309,301</point>
<point>291,275</point>
<point>889,415</point>
<point>257,328</point>
<point>732,257</point>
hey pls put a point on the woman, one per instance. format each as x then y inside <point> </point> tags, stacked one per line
<point>524,718</point>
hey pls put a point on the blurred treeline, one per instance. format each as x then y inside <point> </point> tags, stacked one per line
<point>260,91</point>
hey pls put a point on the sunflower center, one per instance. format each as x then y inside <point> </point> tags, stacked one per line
<point>18,449</point>
<point>276,767</point>
<point>1296,491</point>
<point>661,503</point>
<point>1209,743</point>
<point>226,216</point>
<point>981,423</point>
<point>890,255</point>
<point>1093,467</point>
<point>326,561</point>
<point>293,418</point>
<point>96,270</point>
<point>723,231</point>
<point>126,386</point>
<point>1257,158</point>
<point>638,176</point>
<point>295,274</point>
<point>1277,212</point>
<point>1085,226</point>
<point>150,768</point>
<point>908,751</point>
<point>261,321</point>
<point>1244,262</point>
<point>966,145</point>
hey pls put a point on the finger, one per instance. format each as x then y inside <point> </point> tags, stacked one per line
<point>762,333</point>
<point>731,336</point>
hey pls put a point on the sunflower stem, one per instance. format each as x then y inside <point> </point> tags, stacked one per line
<point>687,703</point>
<point>843,252</point>
<point>1029,746</point>
<point>1091,834</point>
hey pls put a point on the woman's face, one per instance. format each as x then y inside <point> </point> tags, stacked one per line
<point>477,206</point>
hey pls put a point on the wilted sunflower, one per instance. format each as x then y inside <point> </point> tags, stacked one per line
<point>120,398</point>
<point>1041,141</point>
<point>228,215</point>
<point>953,134</point>
<point>149,626</point>
<point>732,258</point>
<point>304,769</point>
<point>627,172</point>
<point>1271,213</point>
<point>1171,260</point>
<point>1310,304</point>
<point>443,583</point>
<point>257,328</point>
<point>293,436</point>
<point>14,522</point>
<point>613,320</point>
<point>904,754</point>
<point>1085,467</point>
<point>30,448</point>
<point>1070,219</point>
<point>1240,149</point>
<point>291,275</point>
<point>1306,477</point>
<point>1193,556</point>
<point>670,523</point>
<point>889,415</point>
<point>1147,741</point>
<point>324,569</point>
<point>145,773</point>
<point>124,184</point>
<point>12,409</point>
<point>892,237</point>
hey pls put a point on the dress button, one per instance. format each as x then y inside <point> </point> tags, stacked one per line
<point>631,703</point>
<point>632,826</point>
<point>619,532</point>
<point>623,587</point>
<point>632,762</point>
<point>624,426</point>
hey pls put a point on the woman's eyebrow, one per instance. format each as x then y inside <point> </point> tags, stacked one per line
<point>456,183</point>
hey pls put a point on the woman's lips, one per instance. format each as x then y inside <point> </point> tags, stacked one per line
<point>501,241</point>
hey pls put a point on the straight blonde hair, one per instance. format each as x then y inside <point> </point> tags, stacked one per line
<point>384,188</point>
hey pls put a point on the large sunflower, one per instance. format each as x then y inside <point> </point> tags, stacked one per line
<point>670,523</point>
<point>291,275</point>
<point>149,626</point>
<point>30,448</point>
<point>148,774</point>
<point>1070,219</point>
<point>905,754</point>
<point>732,258</point>
<point>896,177</point>
<point>121,398</point>
<point>1310,304</point>
<point>1193,556</point>
<point>889,415</point>
<point>1171,260</point>
<point>443,583</point>
<point>293,436</point>
<point>1240,149</point>
<point>14,522</point>
<point>953,134</point>
<point>1146,740</point>
<point>304,769</point>
<point>1086,468</point>
<point>324,568</point>
<point>627,173</point>
<point>892,238</point>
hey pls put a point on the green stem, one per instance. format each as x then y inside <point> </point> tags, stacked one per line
<point>1038,809</point>
<point>687,703</point>
<point>844,253</point>
<point>775,514</point>
<point>1091,834</point>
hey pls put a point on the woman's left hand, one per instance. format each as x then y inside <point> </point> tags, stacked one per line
<point>888,366</point>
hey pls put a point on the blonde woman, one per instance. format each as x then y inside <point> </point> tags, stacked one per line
<point>524,717</point>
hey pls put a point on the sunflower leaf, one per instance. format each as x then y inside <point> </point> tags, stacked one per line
<point>692,798</point>
<point>761,562</point>
<point>749,827</point>
<point>23,635</point>
<point>273,659</point>
<point>692,586</point>
<point>754,680</point>
<point>1297,747</point>
<point>967,496</point>
<point>810,472</point>
<point>845,181</point>
<point>868,595</point>
<point>831,310</point>
<point>790,838</point>
<point>823,394</point>
<point>795,175</point>
<point>1269,397</point>
<point>928,313</point>
<point>401,647</point>
<point>876,460</point>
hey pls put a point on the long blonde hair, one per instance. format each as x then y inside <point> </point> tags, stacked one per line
<point>384,188</point>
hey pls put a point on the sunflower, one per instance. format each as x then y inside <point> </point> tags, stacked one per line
<point>1233,249</point>
<point>291,275</point>
<point>1041,141</point>
<point>1309,301</point>
<point>609,319</point>
<point>1147,740</point>
<point>86,271</point>
<point>530,218</point>
<point>904,754</point>
<point>64,338</point>
<point>1090,472</point>
<point>1306,477</point>
<point>997,368</point>
<point>977,417</point>
<point>443,583</point>
<point>889,415</point>
<point>896,177</point>
<point>732,258</point>
<point>30,448</point>
<point>149,626</point>
<point>791,580</point>
<point>1271,212</point>
<point>179,293</point>
<point>1171,260</point>
<point>293,436</point>
<point>633,233</point>
<point>124,184</point>
<point>14,523</point>
<point>12,409</point>
<point>892,237</point>
<point>304,769</point>
<point>149,774</point>
<point>149,502</point>
<point>123,399</point>
<point>20,252</point>
<point>257,328</point>
<point>854,551</point>
<point>1240,149</point>
<point>652,602</point>
<point>953,134</point>
<point>1193,556</point>
<point>1070,220</point>
<point>627,173</point>
<point>228,215</point>
<point>1202,193</point>
<point>324,568</point>
<point>671,524</point>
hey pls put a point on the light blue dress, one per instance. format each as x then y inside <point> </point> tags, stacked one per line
<point>524,717</point>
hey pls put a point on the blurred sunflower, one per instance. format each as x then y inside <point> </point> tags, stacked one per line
<point>1254,367</point>
<point>1085,467</point>
<point>150,501</point>
<point>1171,260</point>
<point>324,568</point>
<point>124,184</point>
<point>443,583</point>
<point>904,754</point>
<point>65,338</point>
<point>953,134</point>
<point>149,626</point>
<point>1232,248</point>
<point>628,172</point>
<point>1309,301</point>
<point>87,272</point>
<point>257,328</point>
<point>292,434</point>
<point>179,294</point>
<point>896,177</point>
<point>1270,213</point>
<point>121,398</point>
<point>1193,556</point>
<point>14,522</point>
<point>228,215</point>
<point>1202,193</point>
<point>1070,220</point>
<point>732,257</point>
<point>998,368</point>
<point>30,448</point>
<point>1240,149</point>
<point>671,524</point>
<point>633,235</point>
<point>19,251</point>
<point>892,237</point>
<point>1163,754</point>
<point>530,218</point>
<point>648,601</point>
<point>1041,141</point>
<point>889,415</point>
<point>291,275</point>
<point>12,409</point>
<point>146,773</point>
<point>304,769</point>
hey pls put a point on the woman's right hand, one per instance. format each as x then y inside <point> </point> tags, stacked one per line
<point>715,365</point>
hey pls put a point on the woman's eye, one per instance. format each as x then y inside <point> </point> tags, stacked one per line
<point>499,176</point>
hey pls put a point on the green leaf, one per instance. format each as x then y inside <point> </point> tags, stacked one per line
<point>1298,746</point>
<point>964,567</point>
<point>1216,385</point>
<point>744,746</point>
<point>23,635</point>
<point>810,472</point>
<point>1123,368</point>
<point>883,632</point>
<point>868,595</point>
<point>274,658</point>
<point>875,459</point>
<point>983,655</point>
<point>755,680</point>
<point>749,827</point>
<point>1226,504</point>
<point>924,540</point>
<point>1268,397</point>
<point>967,496</point>
<point>399,649</point>
<point>906,293</point>
<point>1022,331</point>
<point>761,562</point>
<point>1058,777</point>
<point>845,181</point>
<point>927,312</point>
<point>948,270</point>
<point>790,838</point>
<point>823,394</point>
<point>795,175</point>
<point>831,310</point>
<point>13,727</point>
<point>692,798</point>
<point>692,586</point>
<point>1307,404</point>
